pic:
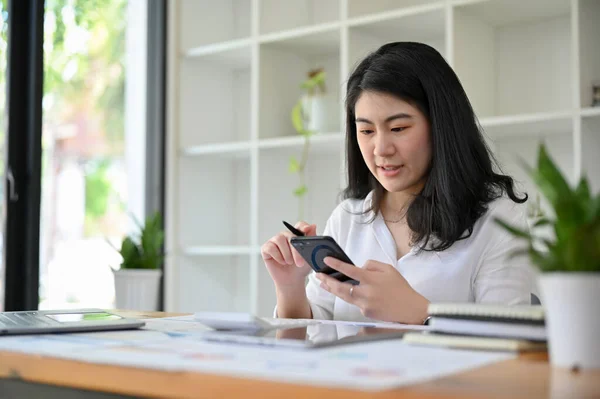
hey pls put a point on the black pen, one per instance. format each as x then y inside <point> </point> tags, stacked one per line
<point>293,229</point>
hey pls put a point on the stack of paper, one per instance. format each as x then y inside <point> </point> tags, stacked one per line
<point>514,328</point>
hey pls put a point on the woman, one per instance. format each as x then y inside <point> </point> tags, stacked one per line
<point>419,209</point>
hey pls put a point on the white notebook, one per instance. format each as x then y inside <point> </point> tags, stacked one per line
<point>512,322</point>
<point>533,314</point>
<point>489,328</point>
<point>470,342</point>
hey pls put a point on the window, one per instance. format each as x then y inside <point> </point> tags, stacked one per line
<point>87,181</point>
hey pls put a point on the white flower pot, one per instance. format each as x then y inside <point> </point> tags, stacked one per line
<point>316,108</point>
<point>137,289</point>
<point>570,301</point>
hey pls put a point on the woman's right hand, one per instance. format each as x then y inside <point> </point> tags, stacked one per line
<point>285,265</point>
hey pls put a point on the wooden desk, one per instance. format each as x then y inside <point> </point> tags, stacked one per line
<point>528,376</point>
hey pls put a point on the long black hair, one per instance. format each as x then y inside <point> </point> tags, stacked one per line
<point>461,180</point>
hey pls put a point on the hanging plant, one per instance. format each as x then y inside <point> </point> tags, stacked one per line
<point>301,120</point>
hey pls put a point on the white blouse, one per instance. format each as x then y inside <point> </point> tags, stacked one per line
<point>476,269</point>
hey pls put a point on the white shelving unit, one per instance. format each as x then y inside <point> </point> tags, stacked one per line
<point>234,70</point>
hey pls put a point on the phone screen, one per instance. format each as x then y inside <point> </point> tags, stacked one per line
<point>315,249</point>
<point>77,317</point>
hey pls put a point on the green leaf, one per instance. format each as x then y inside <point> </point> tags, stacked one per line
<point>534,210</point>
<point>569,209</point>
<point>319,78</point>
<point>313,82</point>
<point>98,189</point>
<point>307,84</point>
<point>550,180</point>
<point>594,209</point>
<point>582,249</point>
<point>546,263</point>
<point>576,225</point>
<point>300,191</point>
<point>148,254</point>
<point>583,190</point>
<point>294,165</point>
<point>542,222</point>
<point>307,133</point>
<point>297,117</point>
<point>131,254</point>
<point>513,230</point>
<point>151,242</point>
<point>518,252</point>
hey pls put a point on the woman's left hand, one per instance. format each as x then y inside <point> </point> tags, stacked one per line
<point>382,294</point>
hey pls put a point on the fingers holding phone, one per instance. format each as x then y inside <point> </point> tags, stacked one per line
<point>307,229</point>
<point>315,249</point>
<point>284,263</point>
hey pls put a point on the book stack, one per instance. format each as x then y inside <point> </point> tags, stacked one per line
<point>478,326</point>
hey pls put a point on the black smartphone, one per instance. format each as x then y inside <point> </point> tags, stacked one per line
<point>316,248</point>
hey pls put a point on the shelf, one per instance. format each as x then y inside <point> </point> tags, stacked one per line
<point>396,12</point>
<point>590,112</point>
<point>214,283</point>
<point>284,65</point>
<point>324,142</point>
<point>236,76</point>
<point>510,152</point>
<point>214,100</point>
<point>540,124</point>
<point>277,15</point>
<point>589,56</point>
<point>219,250</point>
<point>235,54</point>
<point>360,8</point>
<point>213,205</point>
<point>235,150</point>
<point>276,185</point>
<point>426,25</point>
<point>307,42</point>
<point>590,145</point>
<point>499,13</point>
<point>205,22</point>
<point>509,46</point>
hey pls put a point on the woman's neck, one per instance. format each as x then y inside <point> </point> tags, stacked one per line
<point>394,205</point>
<point>399,201</point>
<point>396,202</point>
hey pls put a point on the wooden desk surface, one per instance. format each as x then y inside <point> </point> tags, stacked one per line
<point>529,376</point>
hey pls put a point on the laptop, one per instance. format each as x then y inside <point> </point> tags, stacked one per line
<point>55,321</point>
<point>308,337</point>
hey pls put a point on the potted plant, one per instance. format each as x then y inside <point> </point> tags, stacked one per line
<point>314,101</point>
<point>570,265</point>
<point>137,282</point>
<point>308,118</point>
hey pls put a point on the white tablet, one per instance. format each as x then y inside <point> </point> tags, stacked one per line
<point>312,336</point>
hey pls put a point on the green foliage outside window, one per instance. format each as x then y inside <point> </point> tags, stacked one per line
<point>97,190</point>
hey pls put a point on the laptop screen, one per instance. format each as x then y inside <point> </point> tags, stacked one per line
<point>78,317</point>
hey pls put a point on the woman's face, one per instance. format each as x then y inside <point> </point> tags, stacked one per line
<point>394,140</point>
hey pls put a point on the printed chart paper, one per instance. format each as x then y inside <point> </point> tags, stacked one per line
<point>175,344</point>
